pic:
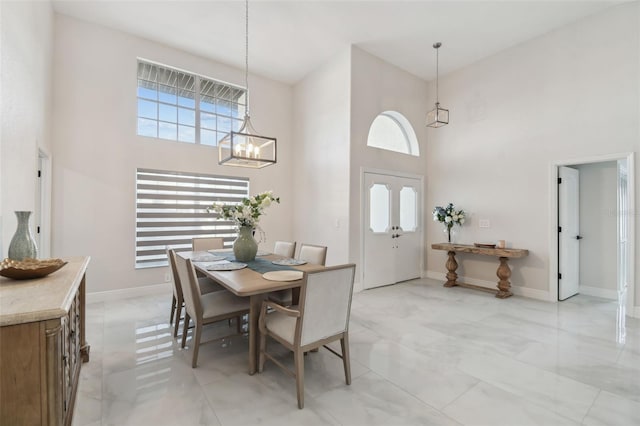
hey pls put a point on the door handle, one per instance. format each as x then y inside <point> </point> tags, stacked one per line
<point>578,237</point>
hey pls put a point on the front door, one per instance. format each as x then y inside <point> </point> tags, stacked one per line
<point>392,229</point>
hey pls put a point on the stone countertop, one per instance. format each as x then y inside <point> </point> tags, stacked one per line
<point>465,248</point>
<point>39,299</point>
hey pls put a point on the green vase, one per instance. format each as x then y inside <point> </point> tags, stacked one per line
<point>245,246</point>
<point>22,244</point>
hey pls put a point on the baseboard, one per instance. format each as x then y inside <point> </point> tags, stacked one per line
<point>515,289</point>
<point>598,292</point>
<point>127,293</point>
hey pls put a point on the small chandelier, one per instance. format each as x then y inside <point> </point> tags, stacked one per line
<point>437,117</point>
<point>245,147</point>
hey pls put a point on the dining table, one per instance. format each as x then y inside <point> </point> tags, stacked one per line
<point>249,282</point>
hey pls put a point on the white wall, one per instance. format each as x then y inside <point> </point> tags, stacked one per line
<point>377,86</point>
<point>97,150</point>
<point>321,120</point>
<point>598,227</point>
<point>26,43</point>
<point>572,93</point>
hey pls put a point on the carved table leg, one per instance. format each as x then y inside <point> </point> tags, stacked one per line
<point>451,265</point>
<point>504,286</point>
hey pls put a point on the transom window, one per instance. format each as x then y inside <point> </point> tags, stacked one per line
<point>392,131</point>
<point>181,106</point>
<point>171,210</point>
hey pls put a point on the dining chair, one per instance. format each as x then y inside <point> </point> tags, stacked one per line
<point>205,308</point>
<point>285,248</point>
<point>206,285</point>
<point>206,243</point>
<point>309,253</point>
<point>313,254</point>
<point>321,318</point>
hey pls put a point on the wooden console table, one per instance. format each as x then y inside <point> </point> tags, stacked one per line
<point>42,346</point>
<point>503,273</point>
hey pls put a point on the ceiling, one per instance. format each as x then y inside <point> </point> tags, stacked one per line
<point>289,39</point>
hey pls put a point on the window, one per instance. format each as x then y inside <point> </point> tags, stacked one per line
<point>180,106</point>
<point>392,131</point>
<point>171,210</point>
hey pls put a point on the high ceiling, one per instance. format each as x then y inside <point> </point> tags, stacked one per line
<point>289,39</point>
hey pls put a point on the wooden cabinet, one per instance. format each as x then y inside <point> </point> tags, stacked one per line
<point>42,346</point>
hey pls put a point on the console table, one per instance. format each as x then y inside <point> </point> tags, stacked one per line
<point>503,273</point>
<point>42,345</point>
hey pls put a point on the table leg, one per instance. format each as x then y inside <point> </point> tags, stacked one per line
<point>255,303</point>
<point>451,265</point>
<point>504,286</point>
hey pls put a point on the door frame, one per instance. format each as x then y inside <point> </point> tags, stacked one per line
<point>44,204</point>
<point>363,201</point>
<point>553,222</point>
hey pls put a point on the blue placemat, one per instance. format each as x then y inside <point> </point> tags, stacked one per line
<point>262,265</point>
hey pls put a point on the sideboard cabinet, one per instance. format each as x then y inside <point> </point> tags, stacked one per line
<point>42,345</point>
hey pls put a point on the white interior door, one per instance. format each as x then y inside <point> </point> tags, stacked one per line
<point>568,232</point>
<point>392,229</point>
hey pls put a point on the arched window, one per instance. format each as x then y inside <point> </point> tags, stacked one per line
<point>392,131</point>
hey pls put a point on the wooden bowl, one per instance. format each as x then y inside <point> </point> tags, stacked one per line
<point>29,268</point>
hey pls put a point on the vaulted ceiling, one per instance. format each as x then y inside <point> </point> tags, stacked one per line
<point>289,39</point>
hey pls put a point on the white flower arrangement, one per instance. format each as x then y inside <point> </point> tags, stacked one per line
<point>248,211</point>
<point>449,216</point>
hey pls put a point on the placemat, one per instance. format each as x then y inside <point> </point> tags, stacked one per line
<point>262,265</point>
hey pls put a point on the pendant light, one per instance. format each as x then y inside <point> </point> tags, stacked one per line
<point>245,147</point>
<point>437,117</point>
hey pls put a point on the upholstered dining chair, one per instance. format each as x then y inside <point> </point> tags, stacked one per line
<point>313,254</point>
<point>206,285</point>
<point>206,243</point>
<point>321,318</point>
<point>309,253</point>
<point>204,308</point>
<point>285,248</point>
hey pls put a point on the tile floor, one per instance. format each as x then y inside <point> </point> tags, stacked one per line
<point>421,354</point>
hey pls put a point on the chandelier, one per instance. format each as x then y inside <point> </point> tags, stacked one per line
<point>438,116</point>
<point>245,147</point>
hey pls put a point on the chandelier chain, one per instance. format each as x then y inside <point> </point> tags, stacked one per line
<point>437,66</point>
<point>246,54</point>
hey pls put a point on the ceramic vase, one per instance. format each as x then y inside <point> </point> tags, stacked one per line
<point>22,244</point>
<point>245,246</point>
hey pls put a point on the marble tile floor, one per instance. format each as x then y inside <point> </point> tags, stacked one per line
<point>421,354</point>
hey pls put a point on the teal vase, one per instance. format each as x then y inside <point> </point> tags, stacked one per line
<point>22,244</point>
<point>245,246</point>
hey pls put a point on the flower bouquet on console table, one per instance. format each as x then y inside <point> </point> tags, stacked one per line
<point>449,216</point>
<point>246,216</point>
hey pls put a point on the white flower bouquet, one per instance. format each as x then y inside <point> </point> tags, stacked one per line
<point>449,216</point>
<point>248,211</point>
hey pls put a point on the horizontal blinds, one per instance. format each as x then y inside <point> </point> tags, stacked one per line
<point>171,210</point>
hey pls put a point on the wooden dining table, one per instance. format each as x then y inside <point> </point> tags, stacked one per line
<point>249,283</point>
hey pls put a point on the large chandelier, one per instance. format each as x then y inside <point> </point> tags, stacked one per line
<point>245,147</point>
<point>438,116</point>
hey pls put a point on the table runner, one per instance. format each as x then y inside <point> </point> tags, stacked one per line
<point>262,265</point>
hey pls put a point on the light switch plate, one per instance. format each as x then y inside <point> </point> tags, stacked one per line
<point>484,223</point>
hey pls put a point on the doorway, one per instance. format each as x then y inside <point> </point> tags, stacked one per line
<point>42,216</point>
<point>392,228</point>
<point>620,206</point>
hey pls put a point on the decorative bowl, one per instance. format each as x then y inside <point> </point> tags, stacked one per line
<point>484,245</point>
<point>29,268</point>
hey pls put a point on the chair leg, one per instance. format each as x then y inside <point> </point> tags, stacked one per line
<point>263,349</point>
<point>185,328</point>
<point>197,331</point>
<point>178,311</point>
<point>299,364</point>
<point>173,309</point>
<point>344,343</point>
